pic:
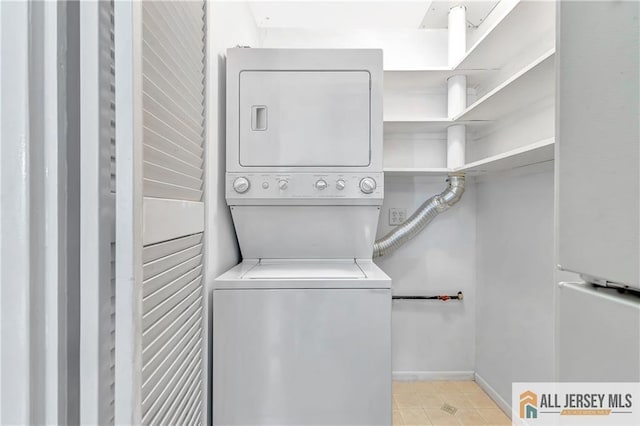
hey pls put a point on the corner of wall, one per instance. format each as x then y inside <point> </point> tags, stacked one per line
<point>228,24</point>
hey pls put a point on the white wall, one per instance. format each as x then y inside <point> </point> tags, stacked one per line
<point>228,24</point>
<point>403,49</point>
<point>515,279</point>
<point>432,339</point>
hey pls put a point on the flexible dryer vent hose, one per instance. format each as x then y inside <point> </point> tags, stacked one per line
<point>421,218</point>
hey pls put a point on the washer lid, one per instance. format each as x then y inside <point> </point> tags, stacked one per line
<point>291,270</point>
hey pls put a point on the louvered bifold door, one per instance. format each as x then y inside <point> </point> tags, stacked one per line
<point>160,77</point>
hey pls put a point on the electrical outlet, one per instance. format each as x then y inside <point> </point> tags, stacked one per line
<point>397,216</point>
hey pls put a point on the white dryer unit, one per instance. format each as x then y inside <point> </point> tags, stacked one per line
<point>302,327</point>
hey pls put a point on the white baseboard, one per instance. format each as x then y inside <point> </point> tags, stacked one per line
<point>410,376</point>
<point>504,405</point>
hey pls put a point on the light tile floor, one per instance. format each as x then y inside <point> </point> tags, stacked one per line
<point>421,403</point>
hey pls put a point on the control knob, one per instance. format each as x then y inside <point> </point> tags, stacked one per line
<point>283,184</point>
<point>367,185</point>
<point>321,184</point>
<point>340,184</point>
<point>241,185</point>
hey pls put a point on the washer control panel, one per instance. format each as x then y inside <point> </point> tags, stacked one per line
<point>304,185</point>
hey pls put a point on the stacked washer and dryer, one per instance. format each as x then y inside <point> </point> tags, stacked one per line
<point>302,327</point>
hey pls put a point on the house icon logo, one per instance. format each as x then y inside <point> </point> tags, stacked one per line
<point>528,405</point>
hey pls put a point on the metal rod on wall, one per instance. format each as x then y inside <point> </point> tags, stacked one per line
<point>442,297</point>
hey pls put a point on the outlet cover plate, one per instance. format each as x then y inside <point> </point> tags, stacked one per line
<point>397,216</point>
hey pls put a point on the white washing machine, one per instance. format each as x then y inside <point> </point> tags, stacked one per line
<point>302,327</point>
<point>302,342</point>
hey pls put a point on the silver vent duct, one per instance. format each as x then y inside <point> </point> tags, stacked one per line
<point>421,218</point>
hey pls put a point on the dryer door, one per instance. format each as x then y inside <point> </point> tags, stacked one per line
<point>305,118</point>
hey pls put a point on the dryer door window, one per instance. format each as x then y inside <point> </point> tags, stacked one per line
<point>304,118</point>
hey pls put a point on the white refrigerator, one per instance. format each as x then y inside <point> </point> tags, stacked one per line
<point>598,190</point>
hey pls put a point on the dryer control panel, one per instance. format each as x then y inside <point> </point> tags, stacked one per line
<point>304,186</point>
